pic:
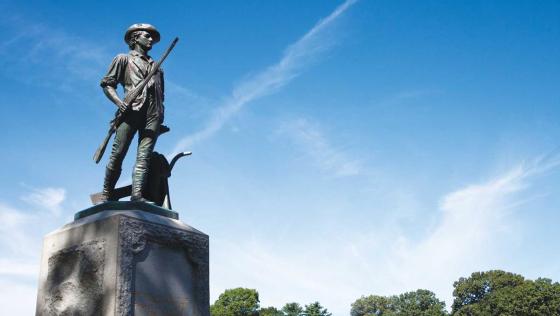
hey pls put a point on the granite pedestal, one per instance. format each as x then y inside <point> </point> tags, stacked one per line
<point>124,258</point>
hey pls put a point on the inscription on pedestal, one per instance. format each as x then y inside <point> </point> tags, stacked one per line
<point>156,294</point>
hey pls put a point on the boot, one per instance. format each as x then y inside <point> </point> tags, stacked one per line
<point>139,180</point>
<point>111,178</point>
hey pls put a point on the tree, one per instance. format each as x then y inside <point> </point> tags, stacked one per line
<point>315,309</point>
<point>503,293</point>
<point>270,311</point>
<point>417,303</point>
<point>236,302</point>
<point>372,305</point>
<point>292,309</point>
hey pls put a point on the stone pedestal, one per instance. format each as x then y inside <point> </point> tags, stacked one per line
<point>124,258</point>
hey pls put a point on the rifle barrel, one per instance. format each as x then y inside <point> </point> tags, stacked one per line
<point>133,95</point>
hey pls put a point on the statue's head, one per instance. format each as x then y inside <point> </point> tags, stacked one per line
<point>142,34</point>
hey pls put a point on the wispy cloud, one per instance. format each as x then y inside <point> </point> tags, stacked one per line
<point>324,155</point>
<point>45,55</point>
<point>17,298</point>
<point>298,55</point>
<point>21,233</point>
<point>475,226</point>
<point>13,237</point>
<point>283,277</point>
<point>191,102</point>
<point>19,237</point>
<point>18,268</point>
<point>46,198</point>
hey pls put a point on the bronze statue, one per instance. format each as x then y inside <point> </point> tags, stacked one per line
<point>141,111</point>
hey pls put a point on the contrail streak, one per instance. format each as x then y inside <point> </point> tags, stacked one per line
<point>295,57</point>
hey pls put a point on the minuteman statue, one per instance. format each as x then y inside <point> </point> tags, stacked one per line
<point>143,115</point>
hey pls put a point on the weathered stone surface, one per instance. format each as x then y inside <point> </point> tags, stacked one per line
<point>75,280</point>
<point>124,263</point>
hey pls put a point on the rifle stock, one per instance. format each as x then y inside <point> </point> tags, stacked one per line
<point>101,150</point>
<point>132,95</point>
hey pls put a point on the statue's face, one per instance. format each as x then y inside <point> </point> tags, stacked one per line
<point>145,40</point>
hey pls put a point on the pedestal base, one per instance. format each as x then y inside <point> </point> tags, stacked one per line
<point>124,262</point>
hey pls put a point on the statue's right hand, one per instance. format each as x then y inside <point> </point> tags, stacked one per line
<point>122,106</point>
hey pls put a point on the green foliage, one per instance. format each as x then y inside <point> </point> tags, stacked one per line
<point>270,311</point>
<point>417,303</point>
<point>292,309</point>
<point>236,302</point>
<point>503,293</point>
<point>315,309</point>
<point>491,293</point>
<point>372,305</point>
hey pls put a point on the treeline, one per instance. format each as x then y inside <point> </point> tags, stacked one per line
<point>483,293</point>
<point>245,302</point>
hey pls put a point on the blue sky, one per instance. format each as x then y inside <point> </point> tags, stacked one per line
<point>339,148</point>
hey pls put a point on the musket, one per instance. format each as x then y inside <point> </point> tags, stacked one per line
<point>130,97</point>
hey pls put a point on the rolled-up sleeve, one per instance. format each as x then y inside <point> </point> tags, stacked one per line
<point>115,74</point>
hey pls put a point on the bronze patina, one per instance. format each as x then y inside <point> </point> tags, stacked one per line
<point>141,110</point>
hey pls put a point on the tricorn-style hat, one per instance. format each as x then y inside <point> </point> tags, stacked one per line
<point>142,27</point>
